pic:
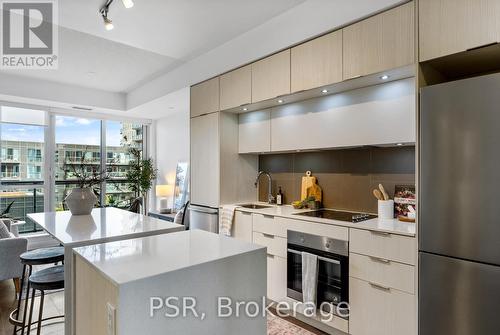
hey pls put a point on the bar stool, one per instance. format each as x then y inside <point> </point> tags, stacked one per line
<point>44,280</point>
<point>29,259</point>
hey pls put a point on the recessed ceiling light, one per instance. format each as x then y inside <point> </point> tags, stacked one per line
<point>384,77</point>
<point>324,91</point>
<point>399,144</point>
<point>245,109</point>
<point>280,101</point>
<point>81,108</point>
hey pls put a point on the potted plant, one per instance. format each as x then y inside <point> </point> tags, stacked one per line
<point>82,199</point>
<point>141,175</point>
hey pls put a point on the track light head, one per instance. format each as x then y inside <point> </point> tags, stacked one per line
<point>128,3</point>
<point>108,24</point>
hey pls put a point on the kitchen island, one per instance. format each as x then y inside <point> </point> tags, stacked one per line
<point>134,286</point>
<point>103,225</point>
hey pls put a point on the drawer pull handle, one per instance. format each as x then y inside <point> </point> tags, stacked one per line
<point>268,235</point>
<point>268,216</point>
<point>380,287</point>
<point>380,233</point>
<point>247,213</point>
<point>270,256</point>
<point>380,260</point>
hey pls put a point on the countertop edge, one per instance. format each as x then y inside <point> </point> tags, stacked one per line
<point>329,221</point>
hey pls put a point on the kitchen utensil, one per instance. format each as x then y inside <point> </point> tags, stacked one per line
<point>384,193</point>
<point>403,218</point>
<point>378,194</point>
<point>307,181</point>
<point>386,209</point>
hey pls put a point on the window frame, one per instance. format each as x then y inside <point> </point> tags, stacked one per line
<point>49,182</point>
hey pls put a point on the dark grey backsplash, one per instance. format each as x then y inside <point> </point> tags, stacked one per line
<point>347,176</point>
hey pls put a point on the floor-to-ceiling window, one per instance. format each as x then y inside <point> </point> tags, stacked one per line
<point>34,142</point>
<point>121,138</point>
<point>22,163</point>
<point>77,152</point>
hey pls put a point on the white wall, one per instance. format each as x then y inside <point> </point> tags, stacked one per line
<point>172,145</point>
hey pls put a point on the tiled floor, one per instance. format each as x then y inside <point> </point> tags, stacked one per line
<point>54,305</point>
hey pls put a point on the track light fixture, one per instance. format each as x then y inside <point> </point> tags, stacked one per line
<point>108,24</point>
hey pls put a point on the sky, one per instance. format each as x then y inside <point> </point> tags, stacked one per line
<point>69,130</point>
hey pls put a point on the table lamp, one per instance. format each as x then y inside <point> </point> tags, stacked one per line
<point>163,192</point>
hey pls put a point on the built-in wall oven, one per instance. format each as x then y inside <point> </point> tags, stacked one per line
<point>333,268</point>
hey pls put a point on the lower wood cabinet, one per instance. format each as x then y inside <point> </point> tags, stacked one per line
<point>378,310</point>
<point>243,227</point>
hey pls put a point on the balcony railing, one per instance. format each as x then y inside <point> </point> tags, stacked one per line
<point>10,175</point>
<point>10,159</point>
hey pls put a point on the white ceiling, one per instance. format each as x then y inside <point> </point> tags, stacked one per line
<point>149,39</point>
<point>160,47</point>
<point>179,29</point>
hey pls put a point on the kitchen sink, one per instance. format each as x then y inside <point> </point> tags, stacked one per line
<point>254,206</point>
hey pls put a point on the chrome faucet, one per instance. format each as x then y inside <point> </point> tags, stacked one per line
<point>270,198</point>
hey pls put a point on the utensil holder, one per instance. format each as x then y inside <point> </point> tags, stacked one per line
<point>386,209</point>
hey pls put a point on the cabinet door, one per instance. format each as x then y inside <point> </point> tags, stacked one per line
<point>236,88</point>
<point>276,278</point>
<point>271,76</point>
<point>376,310</point>
<point>242,226</point>
<point>205,160</point>
<point>254,132</point>
<point>317,63</point>
<point>451,26</point>
<point>384,41</point>
<point>354,118</point>
<point>205,97</point>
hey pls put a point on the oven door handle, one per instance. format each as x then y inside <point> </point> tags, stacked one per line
<point>328,260</point>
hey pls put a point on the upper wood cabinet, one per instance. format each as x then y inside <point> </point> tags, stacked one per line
<point>205,160</point>
<point>236,88</point>
<point>450,26</point>
<point>379,43</point>
<point>349,119</point>
<point>205,97</point>
<point>271,76</point>
<point>317,63</point>
<point>254,133</point>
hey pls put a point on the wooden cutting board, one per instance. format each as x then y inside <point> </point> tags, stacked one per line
<point>307,181</point>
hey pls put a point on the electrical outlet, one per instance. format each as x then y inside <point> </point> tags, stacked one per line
<point>111,317</point>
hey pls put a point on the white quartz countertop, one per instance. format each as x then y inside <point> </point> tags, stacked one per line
<point>104,224</point>
<point>135,259</point>
<point>393,226</point>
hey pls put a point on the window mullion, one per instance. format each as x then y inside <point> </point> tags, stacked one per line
<point>103,162</point>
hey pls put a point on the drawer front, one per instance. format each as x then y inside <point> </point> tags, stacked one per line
<point>336,232</point>
<point>387,246</point>
<point>275,245</point>
<point>268,225</point>
<point>379,311</point>
<point>384,272</point>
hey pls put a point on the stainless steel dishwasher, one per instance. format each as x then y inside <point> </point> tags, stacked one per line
<point>204,218</point>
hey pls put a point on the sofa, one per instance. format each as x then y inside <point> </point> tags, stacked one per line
<point>11,248</point>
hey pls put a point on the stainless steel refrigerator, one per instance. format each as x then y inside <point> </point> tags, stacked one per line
<point>459,214</point>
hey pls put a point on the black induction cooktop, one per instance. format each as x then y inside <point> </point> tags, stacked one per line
<point>338,215</point>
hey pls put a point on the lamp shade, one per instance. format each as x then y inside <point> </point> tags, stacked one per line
<point>164,190</point>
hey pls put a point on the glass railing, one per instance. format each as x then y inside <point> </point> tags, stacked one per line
<point>10,175</point>
<point>18,203</point>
